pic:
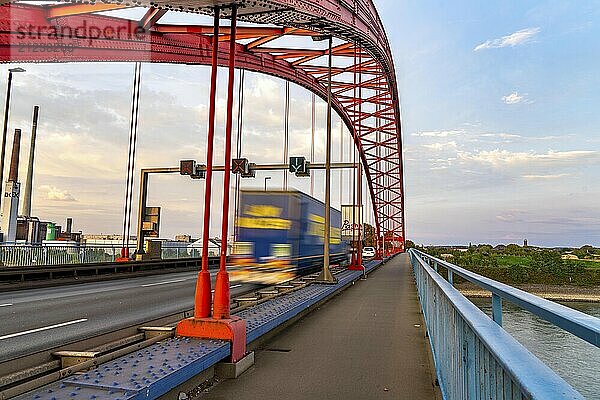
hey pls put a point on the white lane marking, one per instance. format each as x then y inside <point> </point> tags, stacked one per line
<point>230,287</point>
<point>45,328</point>
<point>164,283</point>
<point>6,305</point>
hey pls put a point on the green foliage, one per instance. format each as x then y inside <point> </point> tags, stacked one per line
<point>515,250</point>
<point>513,264</point>
<point>585,252</point>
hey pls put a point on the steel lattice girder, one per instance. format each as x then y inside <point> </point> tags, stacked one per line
<point>367,102</point>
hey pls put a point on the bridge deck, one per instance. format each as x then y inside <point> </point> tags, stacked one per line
<point>362,344</point>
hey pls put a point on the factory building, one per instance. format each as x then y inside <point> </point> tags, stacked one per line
<point>24,228</point>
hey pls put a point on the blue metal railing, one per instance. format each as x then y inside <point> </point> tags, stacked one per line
<point>475,358</point>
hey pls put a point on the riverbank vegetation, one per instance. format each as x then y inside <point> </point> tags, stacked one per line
<point>514,264</point>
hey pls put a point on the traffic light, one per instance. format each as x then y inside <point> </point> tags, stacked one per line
<point>191,168</point>
<point>251,171</point>
<point>200,172</point>
<point>299,166</point>
<point>243,167</point>
<point>187,167</point>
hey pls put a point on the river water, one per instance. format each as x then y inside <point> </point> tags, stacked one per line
<point>575,360</point>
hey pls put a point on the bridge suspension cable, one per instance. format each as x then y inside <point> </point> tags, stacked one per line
<point>238,144</point>
<point>286,132</point>
<point>133,127</point>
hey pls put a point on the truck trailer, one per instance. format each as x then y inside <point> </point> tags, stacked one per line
<point>285,229</point>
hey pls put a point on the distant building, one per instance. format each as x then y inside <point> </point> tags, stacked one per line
<point>106,240</point>
<point>31,230</point>
<point>525,243</point>
<point>67,234</point>
<point>183,238</point>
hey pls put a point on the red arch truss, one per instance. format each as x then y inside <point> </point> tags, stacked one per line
<point>364,87</point>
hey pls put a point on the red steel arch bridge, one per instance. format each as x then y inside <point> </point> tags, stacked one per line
<point>363,81</point>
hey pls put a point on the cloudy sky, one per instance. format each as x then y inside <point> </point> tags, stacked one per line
<point>500,116</point>
<point>500,121</point>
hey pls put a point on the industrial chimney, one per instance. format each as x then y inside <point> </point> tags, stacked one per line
<point>13,173</point>
<point>29,181</point>
<point>11,193</point>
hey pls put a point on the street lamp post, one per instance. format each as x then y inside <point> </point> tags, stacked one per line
<point>326,276</point>
<point>5,129</point>
<point>266,179</point>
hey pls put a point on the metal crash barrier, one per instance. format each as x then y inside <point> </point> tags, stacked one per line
<point>23,255</point>
<point>474,357</point>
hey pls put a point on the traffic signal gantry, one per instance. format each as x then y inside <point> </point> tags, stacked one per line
<point>232,328</point>
<point>246,169</point>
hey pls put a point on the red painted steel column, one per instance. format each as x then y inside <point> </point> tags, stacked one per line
<point>357,122</point>
<point>203,294</point>
<point>221,301</point>
<point>358,170</point>
<point>357,265</point>
<point>361,229</point>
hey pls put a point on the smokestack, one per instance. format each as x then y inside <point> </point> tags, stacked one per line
<point>13,175</point>
<point>29,181</point>
<point>69,224</point>
<point>10,204</point>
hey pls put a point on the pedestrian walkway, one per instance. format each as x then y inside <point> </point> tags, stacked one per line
<point>367,343</point>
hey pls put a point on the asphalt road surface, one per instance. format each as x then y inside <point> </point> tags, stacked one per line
<point>37,319</point>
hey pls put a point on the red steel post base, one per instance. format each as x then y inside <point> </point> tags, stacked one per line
<point>232,329</point>
<point>355,267</point>
<point>352,260</point>
<point>203,295</point>
<point>124,255</point>
<point>221,301</point>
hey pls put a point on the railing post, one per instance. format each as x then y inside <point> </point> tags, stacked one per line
<point>497,309</point>
<point>435,266</point>
<point>470,373</point>
<point>450,277</point>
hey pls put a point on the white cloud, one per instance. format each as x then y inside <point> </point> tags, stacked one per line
<point>499,157</point>
<point>56,194</point>
<point>545,177</point>
<point>439,133</point>
<point>441,146</point>
<point>514,98</point>
<point>512,40</point>
<point>501,135</point>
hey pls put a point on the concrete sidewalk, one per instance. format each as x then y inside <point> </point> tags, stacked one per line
<point>367,343</point>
